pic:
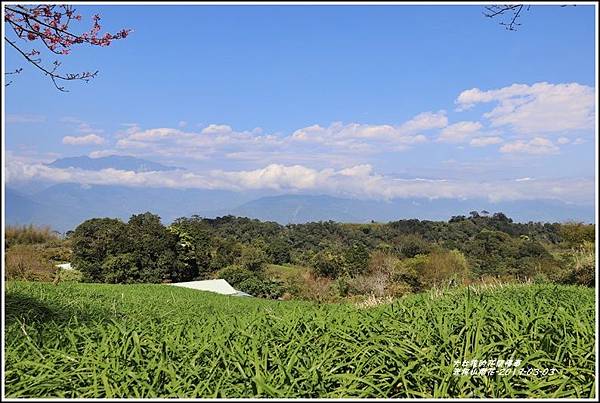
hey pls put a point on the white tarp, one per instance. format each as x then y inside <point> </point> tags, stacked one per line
<point>219,286</point>
<point>65,266</point>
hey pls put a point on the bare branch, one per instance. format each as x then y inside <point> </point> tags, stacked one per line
<point>512,11</point>
<point>85,76</point>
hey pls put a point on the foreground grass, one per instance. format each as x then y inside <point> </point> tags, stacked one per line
<point>84,340</point>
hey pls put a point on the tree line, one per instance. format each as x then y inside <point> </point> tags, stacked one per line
<point>409,254</point>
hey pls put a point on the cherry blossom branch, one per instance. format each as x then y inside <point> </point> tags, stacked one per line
<point>85,76</point>
<point>50,25</point>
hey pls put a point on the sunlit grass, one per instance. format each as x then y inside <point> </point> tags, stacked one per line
<point>94,340</point>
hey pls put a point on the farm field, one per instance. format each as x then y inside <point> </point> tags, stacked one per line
<point>97,340</point>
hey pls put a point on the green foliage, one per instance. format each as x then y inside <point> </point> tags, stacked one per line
<point>114,341</point>
<point>142,250</point>
<point>575,233</point>
<point>412,245</point>
<point>70,275</point>
<point>121,268</point>
<point>252,258</point>
<point>413,254</point>
<point>93,241</point>
<point>224,252</point>
<point>444,268</point>
<point>251,282</point>
<point>279,251</point>
<point>328,264</point>
<point>261,287</point>
<point>235,274</point>
<point>356,260</point>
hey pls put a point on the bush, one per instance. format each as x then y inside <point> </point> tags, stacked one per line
<point>408,271</point>
<point>356,259</point>
<point>314,288</point>
<point>121,268</point>
<point>574,234</point>
<point>252,258</point>
<point>444,267</point>
<point>279,251</point>
<point>328,264</point>
<point>235,274</point>
<point>412,245</point>
<point>93,241</point>
<point>70,275</point>
<point>25,262</point>
<point>584,269</point>
<point>260,287</point>
<point>250,282</point>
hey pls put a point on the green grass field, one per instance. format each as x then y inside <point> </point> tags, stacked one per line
<point>86,340</point>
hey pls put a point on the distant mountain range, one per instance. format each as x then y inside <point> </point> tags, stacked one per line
<point>304,208</point>
<point>124,163</point>
<point>64,206</point>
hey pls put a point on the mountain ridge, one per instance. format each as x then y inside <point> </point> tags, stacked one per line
<point>121,162</point>
<point>64,206</point>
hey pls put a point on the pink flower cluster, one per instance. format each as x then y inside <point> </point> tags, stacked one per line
<point>51,23</point>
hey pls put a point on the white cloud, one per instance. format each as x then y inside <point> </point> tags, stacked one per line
<point>334,142</point>
<point>359,181</point>
<point>578,141</point>
<point>425,121</point>
<point>537,108</point>
<point>537,145</point>
<point>485,141</point>
<point>24,118</point>
<point>83,140</point>
<point>459,132</point>
<point>563,140</point>
<point>80,125</point>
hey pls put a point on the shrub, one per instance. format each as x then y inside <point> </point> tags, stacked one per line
<point>412,245</point>
<point>328,264</point>
<point>25,262</point>
<point>574,234</point>
<point>584,268</point>
<point>235,274</point>
<point>444,267</point>
<point>408,271</point>
<point>306,285</point>
<point>279,251</point>
<point>356,259</point>
<point>121,268</point>
<point>93,241</point>
<point>70,275</point>
<point>260,287</point>
<point>252,258</point>
<point>251,282</point>
<point>375,283</point>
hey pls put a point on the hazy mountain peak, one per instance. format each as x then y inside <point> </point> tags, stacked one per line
<point>121,162</point>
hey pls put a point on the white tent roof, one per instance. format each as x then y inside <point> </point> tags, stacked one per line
<point>219,286</point>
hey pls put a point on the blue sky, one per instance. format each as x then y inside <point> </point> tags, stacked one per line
<point>336,99</point>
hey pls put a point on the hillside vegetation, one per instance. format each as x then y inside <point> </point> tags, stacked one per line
<point>320,261</point>
<point>94,340</point>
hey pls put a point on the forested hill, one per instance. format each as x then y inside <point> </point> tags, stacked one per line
<point>407,252</point>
